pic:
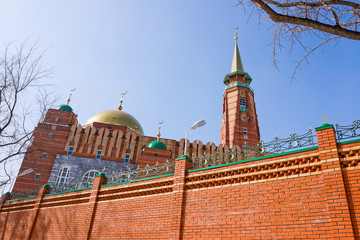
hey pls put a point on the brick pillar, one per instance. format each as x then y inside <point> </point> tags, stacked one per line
<point>182,164</point>
<point>99,180</point>
<point>334,184</point>
<point>46,189</point>
<point>5,197</point>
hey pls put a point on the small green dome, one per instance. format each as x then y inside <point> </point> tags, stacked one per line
<point>157,145</point>
<point>65,107</point>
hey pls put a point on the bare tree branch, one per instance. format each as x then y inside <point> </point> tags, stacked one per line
<point>24,100</point>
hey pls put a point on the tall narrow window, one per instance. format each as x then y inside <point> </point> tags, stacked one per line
<point>98,154</point>
<point>127,158</point>
<point>70,151</point>
<point>62,176</point>
<point>245,131</point>
<point>243,102</point>
<point>246,145</point>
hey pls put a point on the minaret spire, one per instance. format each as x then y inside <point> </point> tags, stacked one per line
<point>236,63</point>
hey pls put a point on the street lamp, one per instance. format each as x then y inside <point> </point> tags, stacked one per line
<point>196,125</point>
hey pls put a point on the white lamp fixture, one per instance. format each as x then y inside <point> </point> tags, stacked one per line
<point>196,125</point>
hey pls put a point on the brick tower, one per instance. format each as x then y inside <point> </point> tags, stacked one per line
<point>239,123</point>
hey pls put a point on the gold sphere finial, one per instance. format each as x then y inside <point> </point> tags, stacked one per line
<point>158,135</point>
<point>121,100</point>
<point>236,36</point>
<point>69,99</point>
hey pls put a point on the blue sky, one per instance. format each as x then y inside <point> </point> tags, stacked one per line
<point>171,57</point>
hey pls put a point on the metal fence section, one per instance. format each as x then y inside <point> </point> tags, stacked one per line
<point>139,173</point>
<point>235,154</point>
<point>123,175</point>
<point>349,131</point>
<point>25,194</point>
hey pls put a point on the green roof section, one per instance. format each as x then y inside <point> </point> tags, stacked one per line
<point>65,107</point>
<point>157,145</point>
<point>324,126</point>
<point>247,77</point>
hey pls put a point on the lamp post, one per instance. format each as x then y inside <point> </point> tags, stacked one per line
<point>196,125</point>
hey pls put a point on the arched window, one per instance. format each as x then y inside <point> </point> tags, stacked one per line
<point>62,176</point>
<point>89,176</point>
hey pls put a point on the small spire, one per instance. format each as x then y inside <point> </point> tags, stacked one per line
<point>121,100</point>
<point>69,99</point>
<point>158,135</point>
<point>236,63</point>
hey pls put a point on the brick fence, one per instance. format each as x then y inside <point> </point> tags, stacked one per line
<point>311,193</point>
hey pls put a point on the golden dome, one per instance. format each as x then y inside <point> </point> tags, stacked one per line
<point>117,117</point>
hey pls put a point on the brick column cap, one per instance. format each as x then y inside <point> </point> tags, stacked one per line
<point>101,175</point>
<point>184,157</point>
<point>46,186</point>
<point>324,126</point>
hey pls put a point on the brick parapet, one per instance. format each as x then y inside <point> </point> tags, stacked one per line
<point>35,211</point>
<point>90,214</point>
<point>182,164</point>
<point>301,199</point>
<point>341,224</point>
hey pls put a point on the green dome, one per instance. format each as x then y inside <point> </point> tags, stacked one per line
<point>65,107</point>
<point>157,145</point>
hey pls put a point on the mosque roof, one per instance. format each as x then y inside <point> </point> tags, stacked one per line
<point>65,107</point>
<point>157,145</point>
<point>118,117</point>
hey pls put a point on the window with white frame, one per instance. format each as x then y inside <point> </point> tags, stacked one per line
<point>127,158</point>
<point>98,154</point>
<point>89,176</point>
<point>62,176</point>
<point>37,176</point>
<point>243,102</point>
<point>246,145</point>
<point>245,131</point>
<point>70,150</point>
<point>51,135</point>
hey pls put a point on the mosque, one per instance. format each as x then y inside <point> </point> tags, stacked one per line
<point>304,193</point>
<point>65,151</point>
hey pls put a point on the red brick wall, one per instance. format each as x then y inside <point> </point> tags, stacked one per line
<point>306,195</point>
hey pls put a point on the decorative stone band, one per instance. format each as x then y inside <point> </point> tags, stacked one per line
<point>349,157</point>
<point>158,187</point>
<point>262,171</point>
<point>251,173</point>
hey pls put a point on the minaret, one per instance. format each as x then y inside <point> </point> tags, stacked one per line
<point>239,124</point>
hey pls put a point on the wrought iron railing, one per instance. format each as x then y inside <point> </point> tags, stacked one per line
<point>349,131</point>
<point>235,154</point>
<point>123,175</point>
<point>34,192</point>
<point>139,173</point>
